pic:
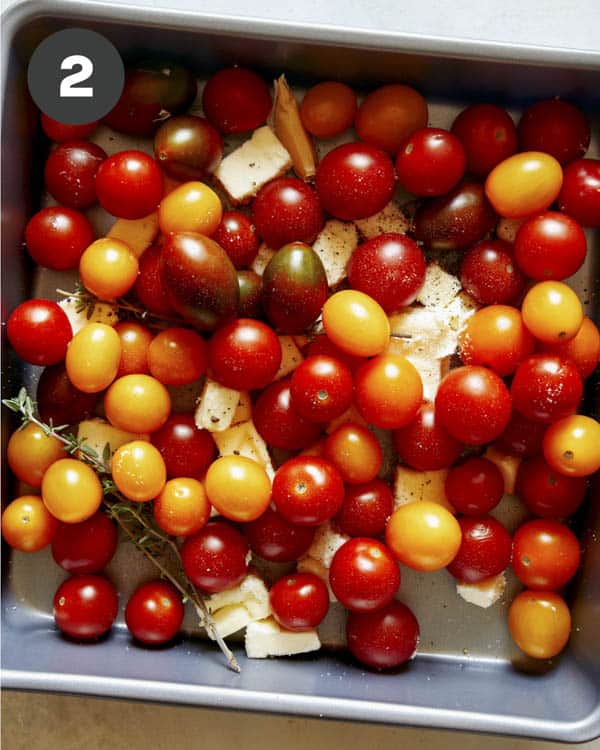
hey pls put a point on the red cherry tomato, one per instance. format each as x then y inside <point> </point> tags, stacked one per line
<point>149,288</point>
<point>85,607</point>
<point>129,184</point>
<point>60,132</point>
<point>321,388</point>
<point>430,162</point>
<point>473,405</point>
<point>488,136</point>
<point>355,180</point>
<point>215,558</point>
<point>186,450</point>
<point>550,245</point>
<point>70,173</point>
<point>490,274</point>
<point>366,509</point>
<point>424,444</point>
<point>57,236</point>
<point>546,388</point>
<point>556,127</point>
<point>299,601</point>
<point>546,555</point>
<point>322,344</point>
<point>383,639</point>
<point>85,547</point>
<point>522,437</point>
<point>236,100</point>
<point>237,235</point>
<point>39,331</point>
<point>583,349</point>
<point>154,612</point>
<point>485,549</point>
<point>389,268</point>
<point>547,493</point>
<point>474,487</point>
<point>308,490</point>
<point>278,422</point>
<point>274,538</point>
<point>580,193</point>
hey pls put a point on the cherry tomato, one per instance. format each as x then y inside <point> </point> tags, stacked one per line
<point>71,490</point>
<point>70,173</point>
<point>355,452</point>
<point>236,100</point>
<point>366,509</point>
<point>321,388</point>
<point>546,492</point>
<point>59,132</point>
<point>423,535</point>
<point>390,114</point>
<point>191,207</point>
<point>522,437</point>
<point>57,236</point>
<point>58,399</point>
<point>550,245</point>
<point>299,601</point>
<point>383,639</point>
<point>188,147</point>
<point>244,355</point>
<point>238,487</point>
<point>137,403</point>
<point>524,184</point>
<point>356,324</point>
<point>424,444</point>
<point>489,273</point>
<point>30,452</point>
<point>135,340</point>
<point>552,312</point>
<point>277,421</point>
<point>388,391</point>
<point>287,210</point>
<point>274,538</point>
<point>93,357</point>
<point>85,547</point>
<point>555,127</point>
<point>389,268</point>
<point>583,349</point>
<point>308,490</point>
<point>149,288</point>
<point>139,471</point>
<point>108,268</point>
<point>572,446</point>
<point>539,623</point>
<point>27,525</point>
<point>154,613</point>
<point>85,606</point>
<point>186,450</point>
<point>474,487</point>
<point>473,405</point>
<point>354,181</point>
<point>488,136</point>
<point>237,235</point>
<point>580,193</point>
<point>39,331</point>
<point>430,162</point>
<point>215,559</point>
<point>177,356</point>
<point>328,109</point>
<point>546,555</point>
<point>496,337</point>
<point>250,284</point>
<point>484,552</point>
<point>182,507</point>
<point>129,184</point>
<point>322,345</point>
<point>546,388</point>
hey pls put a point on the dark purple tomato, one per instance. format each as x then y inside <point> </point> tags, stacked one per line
<point>58,399</point>
<point>250,284</point>
<point>490,274</point>
<point>274,538</point>
<point>188,147</point>
<point>555,127</point>
<point>70,173</point>
<point>279,424</point>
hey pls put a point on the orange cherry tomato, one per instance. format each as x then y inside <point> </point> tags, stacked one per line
<point>356,324</point>
<point>108,268</point>
<point>572,446</point>
<point>27,525</point>
<point>355,453</point>
<point>328,109</point>
<point>135,340</point>
<point>71,490</point>
<point>30,452</point>
<point>552,312</point>
<point>139,471</point>
<point>191,207</point>
<point>182,508</point>
<point>583,349</point>
<point>177,356</point>
<point>93,357</point>
<point>137,403</point>
<point>238,488</point>
<point>524,184</point>
<point>389,115</point>
<point>539,623</point>
<point>423,535</point>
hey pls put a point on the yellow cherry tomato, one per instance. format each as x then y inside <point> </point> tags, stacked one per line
<point>30,452</point>
<point>524,184</point>
<point>572,446</point>
<point>238,488</point>
<point>139,471</point>
<point>552,312</point>
<point>355,452</point>
<point>108,268</point>
<point>355,323</point>
<point>93,357</point>
<point>71,490</point>
<point>191,207</point>
<point>423,535</point>
<point>182,507</point>
<point>137,403</point>
<point>539,623</point>
<point>27,525</point>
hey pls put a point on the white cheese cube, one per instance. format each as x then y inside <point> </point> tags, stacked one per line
<point>411,485</point>
<point>229,620</point>
<point>98,433</point>
<point>439,287</point>
<point>102,312</point>
<point>267,638</point>
<point>251,593</point>
<point>334,246</point>
<point>291,356</point>
<point>216,407</point>
<point>483,594</point>
<point>243,440</point>
<point>508,465</point>
<point>389,219</point>
<point>261,261</point>
<point>328,539</point>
